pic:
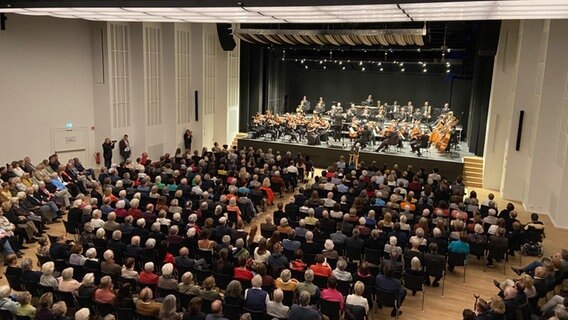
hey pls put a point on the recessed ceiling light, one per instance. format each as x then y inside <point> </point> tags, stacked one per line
<point>402,70</point>
<point>343,68</point>
<point>363,69</point>
<point>381,69</point>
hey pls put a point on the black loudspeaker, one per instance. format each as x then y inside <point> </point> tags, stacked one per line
<point>196,105</point>
<point>225,36</point>
<point>520,130</point>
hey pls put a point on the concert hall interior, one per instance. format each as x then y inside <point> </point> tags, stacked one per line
<point>474,89</point>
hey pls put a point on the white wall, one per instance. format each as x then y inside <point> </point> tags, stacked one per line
<point>531,74</point>
<point>46,80</point>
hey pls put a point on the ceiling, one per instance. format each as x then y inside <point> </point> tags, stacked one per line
<point>294,11</point>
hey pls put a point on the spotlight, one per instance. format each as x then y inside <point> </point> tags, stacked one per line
<point>447,64</point>
<point>418,49</point>
<point>379,64</point>
<point>324,67</point>
<point>448,71</point>
<point>340,62</point>
<point>401,64</point>
<point>343,68</point>
<point>381,69</point>
<point>420,62</point>
<point>424,70</point>
<point>348,61</point>
<point>306,67</point>
<point>402,70</point>
<point>363,69</point>
<point>296,60</point>
<point>321,62</point>
<point>302,61</point>
<point>360,63</point>
<point>449,50</point>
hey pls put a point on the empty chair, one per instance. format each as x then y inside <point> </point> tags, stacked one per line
<point>331,309</point>
<point>458,260</point>
<point>414,283</point>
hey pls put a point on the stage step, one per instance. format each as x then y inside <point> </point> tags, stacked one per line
<point>473,172</point>
<point>238,136</point>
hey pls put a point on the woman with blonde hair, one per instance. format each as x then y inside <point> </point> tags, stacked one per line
<point>168,309</point>
<point>357,298</point>
<point>269,193</point>
<point>47,279</point>
<point>25,309</point>
<point>187,286</point>
<point>497,305</point>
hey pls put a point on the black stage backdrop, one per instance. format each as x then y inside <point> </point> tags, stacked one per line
<point>354,86</point>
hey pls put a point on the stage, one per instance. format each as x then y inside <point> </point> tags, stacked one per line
<point>323,155</point>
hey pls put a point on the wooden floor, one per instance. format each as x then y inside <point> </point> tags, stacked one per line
<point>457,294</point>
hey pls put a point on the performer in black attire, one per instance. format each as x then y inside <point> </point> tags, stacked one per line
<point>392,139</point>
<point>187,137</point>
<point>107,152</point>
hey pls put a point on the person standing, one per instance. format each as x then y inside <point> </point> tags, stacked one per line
<point>107,152</point>
<point>187,137</point>
<point>124,147</point>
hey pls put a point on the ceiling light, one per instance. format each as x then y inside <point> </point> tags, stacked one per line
<point>360,63</point>
<point>363,69</point>
<point>306,67</point>
<point>418,49</point>
<point>448,71</point>
<point>321,62</point>
<point>324,67</point>
<point>401,64</point>
<point>449,50</point>
<point>340,62</point>
<point>381,69</point>
<point>379,63</point>
<point>424,70</point>
<point>343,68</point>
<point>402,70</point>
<point>302,62</point>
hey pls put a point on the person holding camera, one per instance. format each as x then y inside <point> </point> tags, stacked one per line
<point>108,145</point>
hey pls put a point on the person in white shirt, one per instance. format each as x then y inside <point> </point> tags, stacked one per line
<point>275,308</point>
<point>357,298</point>
<point>96,221</point>
<point>329,202</point>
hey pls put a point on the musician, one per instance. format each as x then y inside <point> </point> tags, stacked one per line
<point>337,125</point>
<point>445,109</point>
<point>365,136</point>
<point>427,110</point>
<point>369,100</point>
<point>339,108</point>
<point>417,138</point>
<point>320,106</point>
<point>392,138</point>
<point>410,108</point>
<point>395,106</point>
<point>305,103</point>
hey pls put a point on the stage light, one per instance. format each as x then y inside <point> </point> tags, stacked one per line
<point>401,64</point>
<point>418,49</point>
<point>449,50</point>
<point>424,64</point>
<point>343,68</point>
<point>448,71</point>
<point>363,69</point>
<point>340,62</point>
<point>381,69</point>
<point>447,64</point>
<point>324,67</point>
<point>360,63</point>
<point>379,63</point>
<point>402,70</point>
<point>296,60</point>
<point>424,70</point>
<point>348,61</point>
<point>321,62</point>
<point>306,67</point>
<point>420,62</point>
<point>302,62</point>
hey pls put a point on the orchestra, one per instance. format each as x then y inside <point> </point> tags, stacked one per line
<point>365,124</point>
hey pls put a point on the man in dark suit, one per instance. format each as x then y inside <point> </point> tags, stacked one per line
<point>310,246</point>
<point>124,147</point>
<point>498,241</point>
<point>387,283</point>
<point>59,250</point>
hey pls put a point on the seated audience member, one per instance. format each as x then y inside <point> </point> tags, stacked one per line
<point>275,308</point>
<point>357,299</point>
<point>320,267</point>
<point>105,292</point>
<point>234,293</point>
<point>47,279</point>
<point>387,283</point>
<point>241,272</point>
<point>145,305</point>
<point>28,274</point>
<point>193,310</point>
<point>82,314</point>
<point>331,293</point>
<point>308,284</point>
<point>25,309</point>
<point>44,306</point>
<point>255,297</point>
<point>147,276</point>
<point>433,258</point>
<point>459,246</point>
<point>216,311</point>
<point>6,302</point>
<point>109,266</point>
<point>128,271</point>
<point>340,272</point>
<point>167,280</point>
<point>303,310</point>
<point>187,286</point>
<point>209,291</point>
<point>67,283</point>
<point>87,287</point>
<point>298,263</point>
<point>285,282</point>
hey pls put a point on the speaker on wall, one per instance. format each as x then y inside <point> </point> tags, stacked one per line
<point>225,36</point>
<point>520,130</point>
<point>196,105</point>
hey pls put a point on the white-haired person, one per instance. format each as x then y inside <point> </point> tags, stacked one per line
<point>47,279</point>
<point>134,248</point>
<point>168,309</point>
<point>82,314</point>
<point>6,302</point>
<point>108,266</point>
<point>285,282</point>
<point>59,311</point>
<point>97,221</point>
<point>111,225</point>
<point>275,308</point>
<point>67,283</point>
<point>328,251</point>
<point>167,280</point>
<point>357,299</point>
<point>87,287</point>
<point>255,297</point>
<point>105,292</point>
<point>187,286</point>
<point>340,272</point>
<point>147,276</point>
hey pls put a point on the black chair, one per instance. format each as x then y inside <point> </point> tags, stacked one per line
<point>298,275</point>
<point>232,312</point>
<point>162,293</point>
<point>344,287</point>
<point>256,315</point>
<point>22,317</point>
<point>44,289</point>
<point>14,282</point>
<point>288,299</point>
<point>143,317</point>
<point>42,259</point>
<point>354,254</point>
<point>437,270</point>
<point>102,309</point>
<point>373,256</point>
<point>309,258</point>
<point>201,275</point>
<point>498,253</point>
<point>386,299</point>
<point>86,302</point>
<point>478,250</point>
<point>66,297</point>
<point>207,255</point>
<point>458,260</point>
<point>184,300</point>
<point>320,281</point>
<point>415,284</point>
<point>69,229</point>
<point>331,309</point>
<point>206,305</point>
<point>222,280</point>
<point>124,313</point>
<point>6,315</point>
<point>31,287</point>
<point>353,312</point>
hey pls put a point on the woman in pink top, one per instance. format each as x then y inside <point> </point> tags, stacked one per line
<point>105,293</point>
<point>331,293</point>
<point>67,283</point>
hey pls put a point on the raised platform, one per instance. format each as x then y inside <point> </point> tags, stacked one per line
<point>450,165</point>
